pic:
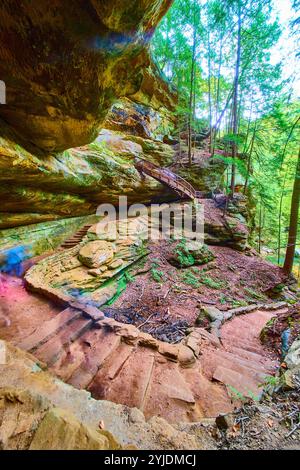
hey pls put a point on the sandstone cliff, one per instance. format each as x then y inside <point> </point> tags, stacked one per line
<point>64,64</point>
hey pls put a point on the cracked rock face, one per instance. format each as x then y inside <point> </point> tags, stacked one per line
<point>92,271</point>
<point>64,64</point>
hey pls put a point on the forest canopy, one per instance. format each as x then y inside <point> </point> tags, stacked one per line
<point>238,87</point>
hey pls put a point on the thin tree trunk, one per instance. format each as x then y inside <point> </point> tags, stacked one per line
<point>219,120</point>
<point>235,101</point>
<point>191,90</point>
<point>209,91</point>
<point>260,227</point>
<point>249,159</point>
<point>294,215</point>
<point>287,141</point>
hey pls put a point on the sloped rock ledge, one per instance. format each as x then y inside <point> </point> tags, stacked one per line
<point>23,380</point>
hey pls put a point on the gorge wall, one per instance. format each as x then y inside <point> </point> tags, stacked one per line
<point>65,64</point>
<point>84,102</point>
<point>63,68</point>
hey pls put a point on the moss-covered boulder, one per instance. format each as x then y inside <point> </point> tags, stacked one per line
<point>185,254</point>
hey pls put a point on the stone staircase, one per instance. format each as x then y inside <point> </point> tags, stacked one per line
<point>75,238</point>
<point>200,377</point>
<point>167,177</point>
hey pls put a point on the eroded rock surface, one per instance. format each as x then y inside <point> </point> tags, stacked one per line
<point>61,81</point>
<point>30,421</point>
<point>82,415</point>
<point>92,271</point>
<point>63,73</point>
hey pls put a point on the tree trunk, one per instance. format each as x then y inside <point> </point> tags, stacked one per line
<point>209,91</point>
<point>279,217</point>
<point>249,159</point>
<point>214,130</point>
<point>260,227</point>
<point>191,90</point>
<point>235,101</point>
<point>294,215</point>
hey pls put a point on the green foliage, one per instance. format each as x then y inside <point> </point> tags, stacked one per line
<point>212,283</point>
<point>183,256</point>
<point>271,383</point>
<point>156,274</point>
<point>267,109</point>
<point>129,277</point>
<point>238,303</point>
<point>254,294</point>
<point>190,279</point>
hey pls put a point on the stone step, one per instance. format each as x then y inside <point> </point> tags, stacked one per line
<point>211,397</point>
<point>240,383</point>
<point>130,385</point>
<point>242,329</point>
<point>54,347</point>
<point>211,361</point>
<point>255,322</point>
<point>169,395</point>
<point>246,363</point>
<point>113,365</point>
<point>102,346</point>
<point>240,335</point>
<point>252,356</point>
<point>75,354</point>
<point>110,369</point>
<point>49,328</point>
<point>69,244</point>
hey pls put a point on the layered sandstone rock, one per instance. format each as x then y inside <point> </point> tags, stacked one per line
<point>62,75</point>
<point>39,411</point>
<point>30,421</point>
<point>65,64</point>
<point>92,271</point>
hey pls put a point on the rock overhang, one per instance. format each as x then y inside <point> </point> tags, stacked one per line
<point>64,67</point>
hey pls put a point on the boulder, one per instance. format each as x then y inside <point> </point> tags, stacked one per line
<point>186,356</point>
<point>60,430</point>
<point>148,341</point>
<point>292,359</point>
<point>116,264</point>
<point>202,255</point>
<point>95,254</point>
<point>29,421</point>
<point>291,378</point>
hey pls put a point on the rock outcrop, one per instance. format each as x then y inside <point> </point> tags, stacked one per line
<point>65,64</point>
<point>62,74</point>
<point>32,399</point>
<point>30,421</point>
<point>292,360</point>
<point>92,271</point>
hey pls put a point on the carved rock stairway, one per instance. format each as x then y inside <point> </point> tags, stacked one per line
<point>76,237</point>
<point>200,377</point>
